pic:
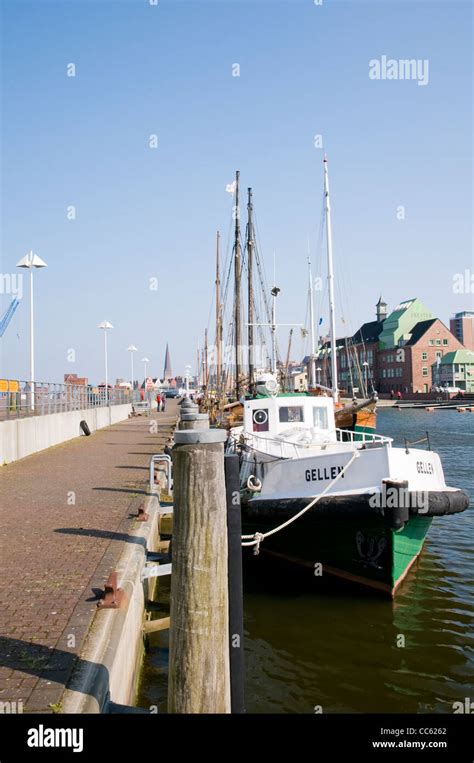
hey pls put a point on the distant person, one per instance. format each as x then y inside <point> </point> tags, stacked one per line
<point>158,401</point>
<point>392,394</point>
<point>399,395</point>
<point>163,403</point>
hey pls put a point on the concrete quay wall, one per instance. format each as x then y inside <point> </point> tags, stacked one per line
<point>22,437</point>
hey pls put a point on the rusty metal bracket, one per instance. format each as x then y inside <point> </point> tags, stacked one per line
<point>142,516</point>
<point>113,596</point>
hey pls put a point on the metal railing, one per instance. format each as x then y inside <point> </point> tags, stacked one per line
<point>409,444</point>
<point>364,438</point>
<point>41,398</point>
<point>290,449</point>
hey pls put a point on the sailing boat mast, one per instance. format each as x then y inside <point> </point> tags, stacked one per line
<point>332,316</point>
<point>237,277</point>
<point>312,364</point>
<point>218,317</point>
<point>206,368</point>
<point>275,292</point>
<point>249,245</point>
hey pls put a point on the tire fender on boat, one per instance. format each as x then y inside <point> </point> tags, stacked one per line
<point>396,506</point>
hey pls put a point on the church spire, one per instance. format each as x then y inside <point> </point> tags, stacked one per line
<point>167,373</point>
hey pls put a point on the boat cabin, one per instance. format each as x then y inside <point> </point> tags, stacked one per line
<point>290,417</point>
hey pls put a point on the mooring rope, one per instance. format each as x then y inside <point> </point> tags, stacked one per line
<point>258,537</point>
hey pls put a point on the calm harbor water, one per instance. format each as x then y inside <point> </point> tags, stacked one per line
<point>337,647</point>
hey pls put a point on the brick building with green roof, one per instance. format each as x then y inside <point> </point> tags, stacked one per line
<point>399,324</point>
<point>455,369</point>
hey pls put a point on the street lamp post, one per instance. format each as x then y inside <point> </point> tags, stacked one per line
<point>145,361</point>
<point>131,350</point>
<point>105,325</point>
<point>366,366</point>
<point>31,261</point>
<point>187,371</point>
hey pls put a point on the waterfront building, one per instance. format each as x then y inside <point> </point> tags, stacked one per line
<point>357,355</point>
<point>455,369</point>
<point>395,352</point>
<point>462,326</point>
<point>75,379</point>
<point>399,324</point>
<point>406,366</point>
<point>298,381</point>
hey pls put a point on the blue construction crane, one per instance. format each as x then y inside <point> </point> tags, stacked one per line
<point>8,316</point>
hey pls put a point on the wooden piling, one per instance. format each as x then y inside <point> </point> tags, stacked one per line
<point>199,673</point>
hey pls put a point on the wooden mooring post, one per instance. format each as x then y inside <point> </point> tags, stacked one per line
<point>199,672</point>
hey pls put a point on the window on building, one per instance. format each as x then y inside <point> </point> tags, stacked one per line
<point>320,417</point>
<point>445,342</point>
<point>438,342</point>
<point>439,354</point>
<point>424,356</point>
<point>291,414</point>
<point>424,371</point>
<point>431,342</point>
<point>370,357</point>
<point>384,373</point>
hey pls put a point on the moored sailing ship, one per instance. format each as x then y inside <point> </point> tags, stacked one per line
<point>318,493</point>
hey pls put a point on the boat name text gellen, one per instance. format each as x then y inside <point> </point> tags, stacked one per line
<point>424,467</point>
<point>328,473</point>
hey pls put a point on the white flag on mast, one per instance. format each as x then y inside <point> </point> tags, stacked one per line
<point>230,187</point>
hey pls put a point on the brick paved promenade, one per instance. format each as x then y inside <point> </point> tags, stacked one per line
<point>65,518</point>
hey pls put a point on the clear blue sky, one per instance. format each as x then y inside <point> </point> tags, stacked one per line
<point>144,213</point>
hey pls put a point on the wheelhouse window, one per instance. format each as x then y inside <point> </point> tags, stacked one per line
<point>291,414</point>
<point>260,420</point>
<point>320,417</point>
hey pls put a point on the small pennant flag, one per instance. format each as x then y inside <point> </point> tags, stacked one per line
<point>320,321</point>
<point>230,187</point>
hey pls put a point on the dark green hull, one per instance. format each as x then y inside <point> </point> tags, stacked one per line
<point>363,550</point>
